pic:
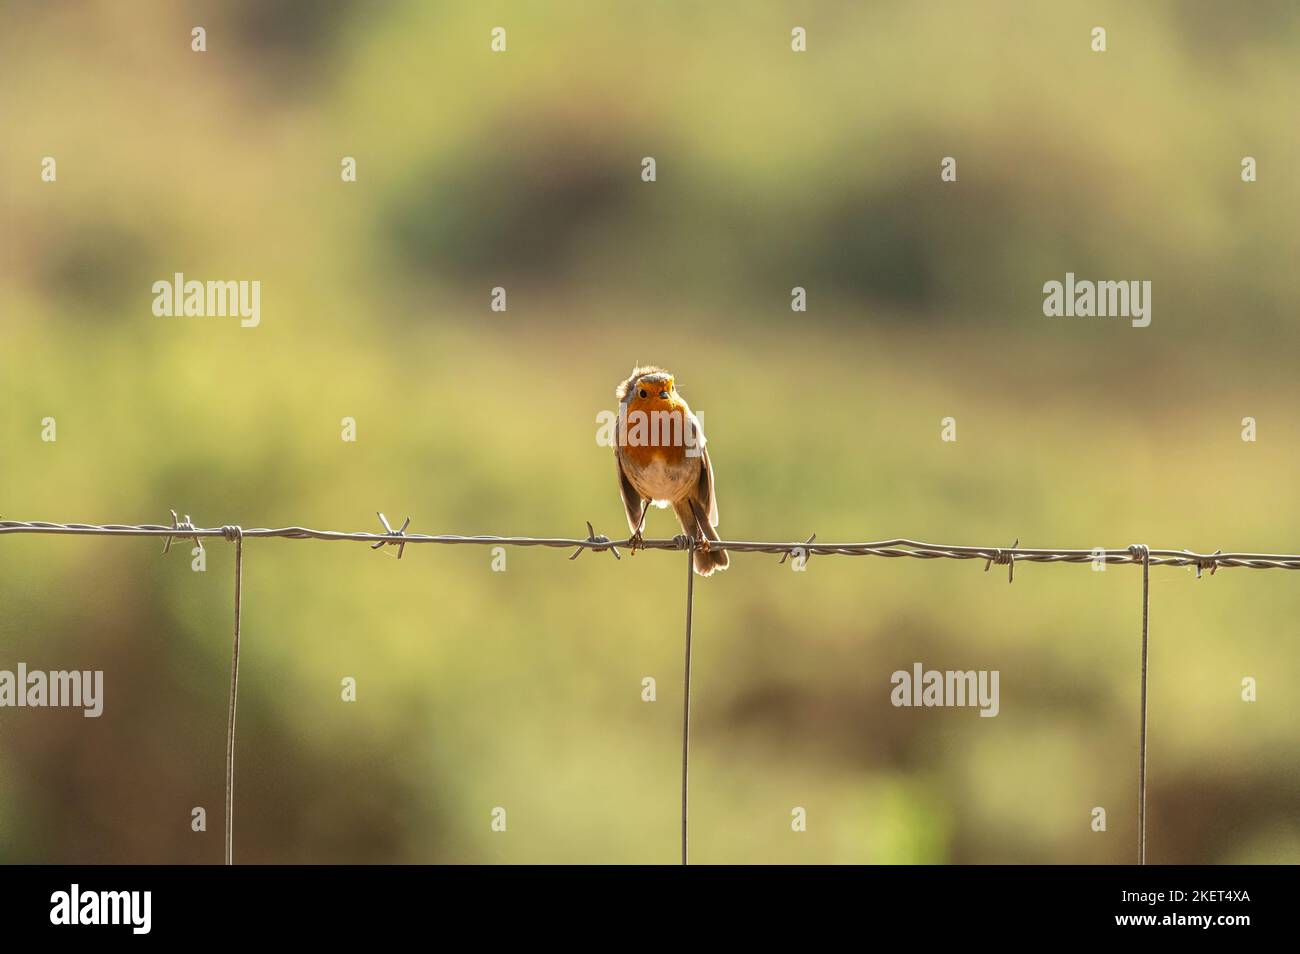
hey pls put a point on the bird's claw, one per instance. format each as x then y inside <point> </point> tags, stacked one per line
<point>635,542</point>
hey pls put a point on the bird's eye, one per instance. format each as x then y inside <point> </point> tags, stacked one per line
<point>642,392</point>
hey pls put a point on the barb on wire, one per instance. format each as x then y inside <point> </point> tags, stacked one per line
<point>399,534</point>
<point>182,526</point>
<point>1210,561</point>
<point>599,543</point>
<point>1007,557</point>
<point>803,549</point>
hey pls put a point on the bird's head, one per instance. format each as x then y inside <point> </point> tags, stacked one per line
<point>650,389</point>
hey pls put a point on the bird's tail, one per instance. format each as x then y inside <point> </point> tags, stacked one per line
<point>694,521</point>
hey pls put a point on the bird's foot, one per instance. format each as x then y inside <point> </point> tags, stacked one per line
<point>635,543</point>
<point>702,542</point>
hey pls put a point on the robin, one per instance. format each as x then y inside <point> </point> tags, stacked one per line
<point>661,459</point>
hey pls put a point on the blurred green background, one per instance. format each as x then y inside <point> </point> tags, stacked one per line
<point>522,689</point>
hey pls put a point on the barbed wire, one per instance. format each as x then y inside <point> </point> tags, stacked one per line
<point>895,548</point>
<point>1136,555</point>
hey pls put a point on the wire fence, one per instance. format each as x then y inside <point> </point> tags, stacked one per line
<point>1135,555</point>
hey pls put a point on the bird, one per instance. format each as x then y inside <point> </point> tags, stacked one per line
<point>661,458</point>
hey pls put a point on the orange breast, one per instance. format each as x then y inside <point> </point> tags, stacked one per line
<point>647,454</point>
<point>656,431</point>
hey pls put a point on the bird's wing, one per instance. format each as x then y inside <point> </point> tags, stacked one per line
<point>707,494</point>
<point>632,504</point>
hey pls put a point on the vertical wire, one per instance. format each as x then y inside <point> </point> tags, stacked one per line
<point>1142,741</point>
<point>234,693</point>
<point>686,692</point>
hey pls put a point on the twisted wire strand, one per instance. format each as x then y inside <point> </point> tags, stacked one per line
<point>889,549</point>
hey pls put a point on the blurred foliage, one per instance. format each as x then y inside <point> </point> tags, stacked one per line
<point>522,688</point>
